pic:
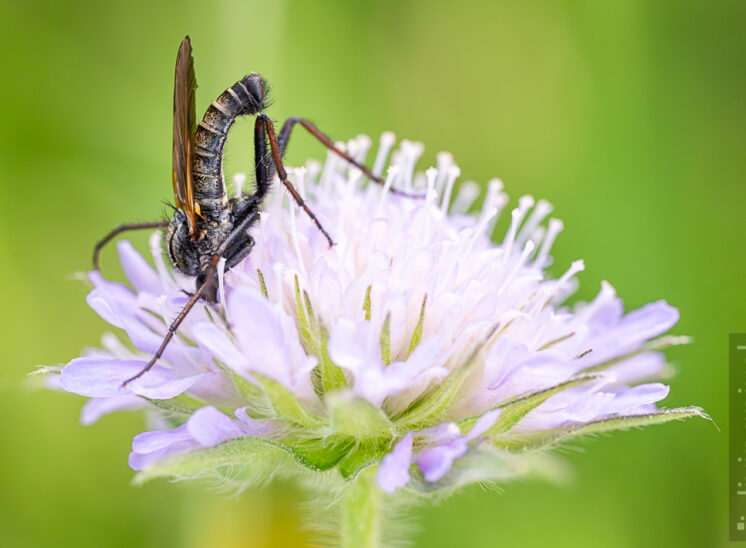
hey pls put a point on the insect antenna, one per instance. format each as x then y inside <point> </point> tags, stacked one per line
<point>116,232</point>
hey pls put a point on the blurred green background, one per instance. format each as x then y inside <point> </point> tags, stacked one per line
<point>629,116</point>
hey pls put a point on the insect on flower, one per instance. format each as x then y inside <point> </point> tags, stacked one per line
<point>207,225</point>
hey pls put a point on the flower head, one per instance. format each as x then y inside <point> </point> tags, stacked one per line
<point>415,347</point>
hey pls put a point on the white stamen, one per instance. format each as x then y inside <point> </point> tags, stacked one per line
<point>294,239</point>
<point>391,175</point>
<point>432,175</point>
<point>500,202</point>
<point>353,182</point>
<point>356,150</point>
<point>112,343</point>
<point>493,200</point>
<point>481,228</point>
<point>161,302</point>
<point>494,186</point>
<point>263,219</point>
<point>279,191</point>
<point>524,203</point>
<point>164,274</point>
<point>239,180</point>
<point>277,270</point>
<point>444,160</point>
<point>313,168</point>
<point>575,267</point>
<point>408,155</point>
<point>430,198</point>
<point>542,209</point>
<point>453,173</point>
<point>353,179</point>
<point>221,276</point>
<point>468,191</point>
<point>327,175</point>
<point>384,148</point>
<point>527,250</point>
<point>538,234</point>
<point>299,174</point>
<point>555,227</point>
<point>352,149</point>
<point>420,181</point>
<point>363,146</point>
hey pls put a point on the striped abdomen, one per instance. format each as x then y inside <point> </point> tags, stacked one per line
<point>245,97</point>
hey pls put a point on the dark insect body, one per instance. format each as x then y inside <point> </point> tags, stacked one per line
<point>206,225</point>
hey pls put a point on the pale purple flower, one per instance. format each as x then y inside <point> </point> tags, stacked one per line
<point>443,343</point>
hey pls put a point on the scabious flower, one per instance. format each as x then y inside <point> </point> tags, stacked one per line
<point>413,357</point>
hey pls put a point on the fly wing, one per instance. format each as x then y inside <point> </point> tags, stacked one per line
<point>185,125</point>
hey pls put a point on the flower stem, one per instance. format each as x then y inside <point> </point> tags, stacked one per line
<point>361,512</point>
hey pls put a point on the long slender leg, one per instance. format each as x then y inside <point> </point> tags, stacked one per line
<point>284,137</point>
<point>117,231</point>
<point>263,167</point>
<point>177,322</point>
<point>237,233</point>
<point>269,126</point>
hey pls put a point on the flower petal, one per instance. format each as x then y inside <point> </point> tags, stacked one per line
<point>260,336</point>
<point>394,470</point>
<point>437,461</point>
<point>95,377</point>
<point>209,427</point>
<point>216,341</point>
<point>484,423</point>
<point>630,399</point>
<point>95,408</point>
<point>140,274</point>
<point>149,442</point>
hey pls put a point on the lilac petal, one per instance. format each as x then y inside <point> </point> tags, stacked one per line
<point>634,329</point>
<point>632,398</point>
<point>163,387</point>
<point>354,346</point>
<point>52,381</point>
<point>645,366</point>
<point>101,305</point>
<point>484,423</point>
<point>259,333</point>
<point>205,428</point>
<point>149,442</point>
<point>139,461</point>
<point>118,290</point>
<point>253,427</point>
<point>394,470</point>
<point>647,322</point>
<point>140,274</point>
<point>122,314</point>
<point>95,408</point>
<point>437,461</point>
<point>94,377</point>
<point>216,341</point>
<point>216,387</point>
<point>536,373</point>
<point>121,309</point>
<point>438,435</point>
<point>605,310</point>
<point>209,427</point>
